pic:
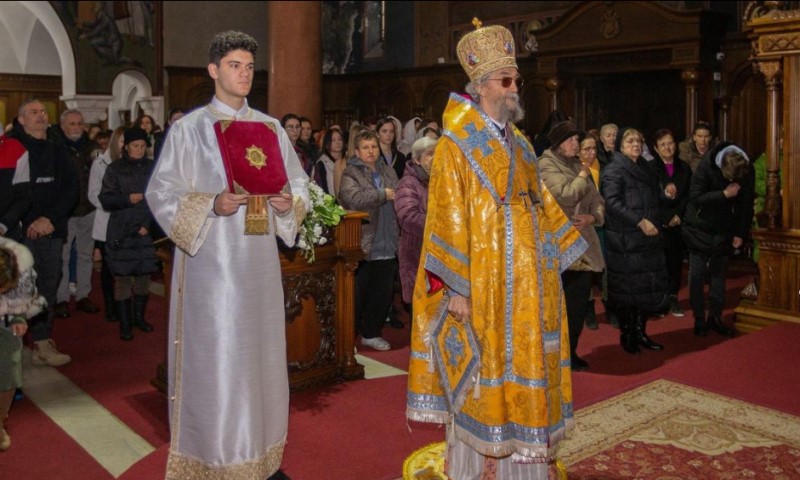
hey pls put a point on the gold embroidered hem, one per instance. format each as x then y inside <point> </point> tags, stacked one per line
<point>181,467</point>
<point>299,208</point>
<point>191,221</point>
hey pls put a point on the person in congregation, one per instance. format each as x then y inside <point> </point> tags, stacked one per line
<point>411,205</point>
<point>148,124</point>
<point>697,148</point>
<point>81,221</point>
<point>388,145</point>
<point>332,152</point>
<point>717,221</point>
<point>368,185</point>
<point>129,248</point>
<point>54,193</point>
<point>495,242</point>
<point>572,186</point>
<point>19,301</point>
<point>674,177</point>
<point>100,227</point>
<point>291,124</point>
<point>637,277</point>
<point>608,140</point>
<point>238,369</point>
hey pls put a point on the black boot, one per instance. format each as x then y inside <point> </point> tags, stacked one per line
<point>139,303</point>
<point>123,310</point>
<point>715,323</point>
<point>700,327</point>
<point>640,329</point>
<point>591,318</point>
<point>627,337</point>
<point>108,307</point>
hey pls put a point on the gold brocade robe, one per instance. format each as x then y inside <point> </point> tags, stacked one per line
<point>494,235</point>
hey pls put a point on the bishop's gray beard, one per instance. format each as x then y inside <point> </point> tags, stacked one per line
<point>511,114</point>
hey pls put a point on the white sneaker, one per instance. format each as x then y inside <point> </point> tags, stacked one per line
<point>45,353</point>
<point>377,343</point>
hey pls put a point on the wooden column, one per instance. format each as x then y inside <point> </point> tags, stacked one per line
<point>774,34</point>
<point>691,78</point>
<point>294,44</point>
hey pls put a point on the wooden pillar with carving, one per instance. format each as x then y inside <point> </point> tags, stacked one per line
<point>774,34</point>
<point>690,77</point>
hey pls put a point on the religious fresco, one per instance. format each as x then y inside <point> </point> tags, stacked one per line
<point>109,37</point>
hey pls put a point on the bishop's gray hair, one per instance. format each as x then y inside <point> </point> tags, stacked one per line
<point>472,87</point>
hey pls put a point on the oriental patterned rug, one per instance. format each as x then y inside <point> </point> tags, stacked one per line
<point>668,431</point>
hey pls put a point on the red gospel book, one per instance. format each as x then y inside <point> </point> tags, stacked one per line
<point>252,157</point>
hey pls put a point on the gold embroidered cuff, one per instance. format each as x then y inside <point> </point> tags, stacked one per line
<point>299,208</point>
<point>191,222</point>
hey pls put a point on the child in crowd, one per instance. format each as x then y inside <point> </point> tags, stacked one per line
<point>19,301</point>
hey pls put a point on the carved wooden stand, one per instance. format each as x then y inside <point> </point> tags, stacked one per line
<point>320,308</point>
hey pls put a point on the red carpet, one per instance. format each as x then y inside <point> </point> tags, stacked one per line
<point>358,429</point>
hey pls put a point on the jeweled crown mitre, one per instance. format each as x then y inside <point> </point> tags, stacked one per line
<point>485,50</point>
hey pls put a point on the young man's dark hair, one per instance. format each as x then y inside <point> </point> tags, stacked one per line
<point>229,41</point>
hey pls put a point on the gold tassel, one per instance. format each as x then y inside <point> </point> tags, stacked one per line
<point>256,219</point>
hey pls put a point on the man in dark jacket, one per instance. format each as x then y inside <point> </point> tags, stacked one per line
<point>15,193</point>
<point>54,191</point>
<point>717,221</point>
<point>81,220</point>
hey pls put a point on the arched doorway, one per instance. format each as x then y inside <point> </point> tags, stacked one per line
<point>129,88</point>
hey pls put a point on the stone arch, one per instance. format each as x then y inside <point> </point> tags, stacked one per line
<point>44,13</point>
<point>129,87</point>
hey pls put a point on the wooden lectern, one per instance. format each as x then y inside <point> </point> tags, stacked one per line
<point>320,308</point>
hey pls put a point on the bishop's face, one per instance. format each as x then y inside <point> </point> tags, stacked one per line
<point>233,78</point>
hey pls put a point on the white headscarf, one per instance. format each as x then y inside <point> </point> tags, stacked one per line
<point>409,136</point>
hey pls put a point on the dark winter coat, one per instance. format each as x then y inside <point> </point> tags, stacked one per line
<point>15,198</point>
<point>80,152</point>
<point>637,274</point>
<point>411,206</point>
<point>711,220</point>
<point>670,207</point>
<point>128,253</point>
<point>53,181</point>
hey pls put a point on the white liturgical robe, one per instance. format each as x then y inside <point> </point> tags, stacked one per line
<point>228,380</point>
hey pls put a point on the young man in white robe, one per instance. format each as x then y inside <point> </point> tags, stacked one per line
<point>228,380</point>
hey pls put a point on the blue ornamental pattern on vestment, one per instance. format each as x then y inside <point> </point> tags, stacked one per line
<point>454,346</point>
<point>477,139</point>
<point>550,249</point>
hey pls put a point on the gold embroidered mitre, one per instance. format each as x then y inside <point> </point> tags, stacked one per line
<point>485,50</point>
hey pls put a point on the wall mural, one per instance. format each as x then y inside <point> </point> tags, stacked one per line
<point>109,37</point>
<point>351,32</point>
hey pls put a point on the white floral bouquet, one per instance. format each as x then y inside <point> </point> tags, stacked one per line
<point>324,214</point>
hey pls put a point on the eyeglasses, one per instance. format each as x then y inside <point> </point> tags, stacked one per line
<point>292,127</point>
<point>506,81</point>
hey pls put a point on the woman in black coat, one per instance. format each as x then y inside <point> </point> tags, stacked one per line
<point>129,246</point>
<point>637,279</point>
<point>674,177</point>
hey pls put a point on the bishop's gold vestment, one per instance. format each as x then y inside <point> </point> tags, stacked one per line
<point>494,235</point>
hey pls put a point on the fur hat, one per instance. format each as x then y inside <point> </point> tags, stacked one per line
<point>560,132</point>
<point>485,50</point>
<point>136,133</point>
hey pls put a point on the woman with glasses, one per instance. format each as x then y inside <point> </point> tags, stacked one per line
<point>572,186</point>
<point>674,178</point>
<point>588,158</point>
<point>637,278</point>
<point>291,123</point>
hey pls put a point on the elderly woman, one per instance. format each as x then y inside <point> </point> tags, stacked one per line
<point>637,278</point>
<point>368,185</point>
<point>674,177</point>
<point>572,186</point>
<point>129,243</point>
<point>608,140</point>
<point>411,204</point>
<point>588,158</point>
